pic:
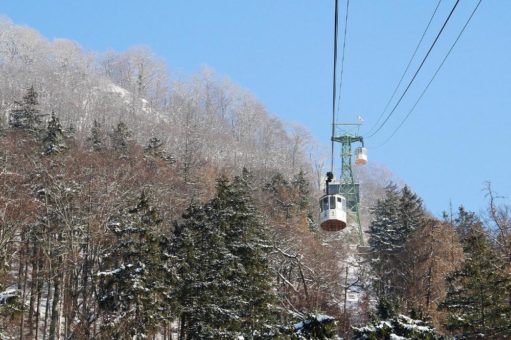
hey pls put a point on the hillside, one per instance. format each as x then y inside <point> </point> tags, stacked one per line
<point>135,204</point>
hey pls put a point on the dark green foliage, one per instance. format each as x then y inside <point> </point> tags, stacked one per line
<point>396,217</point>
<point>10,303</point>
<point>411,214</point>
<point>477,300</point>
<point>387,308</point>
<point>221,256</point>
<point>155,148</point>
<point>384,240</point>
<point>133,291</point>
<point>303,190</point>
<point>26,115</point>
<point>315,327</point>
<point>96,139</point>
<point>120,138</point>
<point>396,327</point>
<point>54,139</point>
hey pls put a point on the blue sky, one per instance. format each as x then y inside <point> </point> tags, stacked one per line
<point>457,138</point>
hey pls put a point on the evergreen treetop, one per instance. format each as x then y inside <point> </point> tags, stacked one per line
<point>25,115</point>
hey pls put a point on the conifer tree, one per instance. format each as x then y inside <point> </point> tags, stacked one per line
<point>247,240</point>
<point>411,214</point>
<point>477,300</point>
<point>120,138</point>
<point>54,139</point>
<point>221,258</point>
<point>384,240</point>
<point>155,148</point>
<point>396,217</point>
<point>133,295</point>
<point>96,138</point>
<point>26,114</point>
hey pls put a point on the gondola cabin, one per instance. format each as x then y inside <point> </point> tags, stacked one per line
<point>332,216</point>
<point>360,156</point>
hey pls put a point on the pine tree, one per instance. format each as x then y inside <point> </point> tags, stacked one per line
<point>411,214</point>
<point>247,240</point>
<point>96,139</point>
<point>54,139</point>
<point>477,300</point>
<point>384,240</point>
<point>397,216</point>
<point>133,295</point>
<point>155,148</point>
<point>26,114</point>
<point>221,258</point>
<point>120,138</point>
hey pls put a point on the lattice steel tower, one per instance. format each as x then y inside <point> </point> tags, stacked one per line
<point>347,185</point>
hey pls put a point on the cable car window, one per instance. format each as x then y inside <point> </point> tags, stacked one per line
<point>332,202</point>
<point>324,204</point>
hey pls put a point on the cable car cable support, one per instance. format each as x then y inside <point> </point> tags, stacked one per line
<point>342,57</point>
<point>417,71</point>
<point>342,200</point>
<point>334,85</point>
<point>432,78</point>
<point>407,67</point>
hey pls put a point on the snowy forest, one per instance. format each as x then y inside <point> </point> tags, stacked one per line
<point>136,204</point>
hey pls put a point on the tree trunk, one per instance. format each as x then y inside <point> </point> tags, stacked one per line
<point>55,307</point>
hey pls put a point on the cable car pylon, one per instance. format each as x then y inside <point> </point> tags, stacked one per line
<point>342,196</point>
<point>347,186</point>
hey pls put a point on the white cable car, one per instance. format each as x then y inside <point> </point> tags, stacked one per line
<point>332,216</point>
<point>360,156</point>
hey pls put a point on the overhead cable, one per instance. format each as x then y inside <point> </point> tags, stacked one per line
<point>432,78</point>
<point>416,72</point>
<point>407,67</point>
<point>342,57</point>
<point>334,84</point>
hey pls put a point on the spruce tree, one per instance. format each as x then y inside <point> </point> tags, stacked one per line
<point>120,138</point>
<point>220,252</point>
<point>247,240</point>
<point>396,217</point>
<point>155,149</point>
<point>26,115</point>
<point>133,296</point>
<point>384,241</point>
<point>96,139</point>
<point>411,214</point>
<point>54,139</point>
<point>477,300</point>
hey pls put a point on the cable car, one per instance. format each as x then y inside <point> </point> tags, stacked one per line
<point>332,216</point>
<point>360,156</point>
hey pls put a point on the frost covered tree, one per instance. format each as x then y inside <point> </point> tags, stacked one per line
<point>96,138</point>
<point>132,281</point>
<point>54,138</point>
<point>477,300</point>
<point>120,138</point>
<point>222,267</point>
<point>411,214</point>
<point>431,253</point>
<point>384,239</point>
<point>396,217</point>
<point>396,327</point>
<point>26,115</point>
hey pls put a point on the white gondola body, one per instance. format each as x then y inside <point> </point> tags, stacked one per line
<point>332,216</point>
<point>360,156</point>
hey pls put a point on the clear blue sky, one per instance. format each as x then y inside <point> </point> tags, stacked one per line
<point>281,50</point>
